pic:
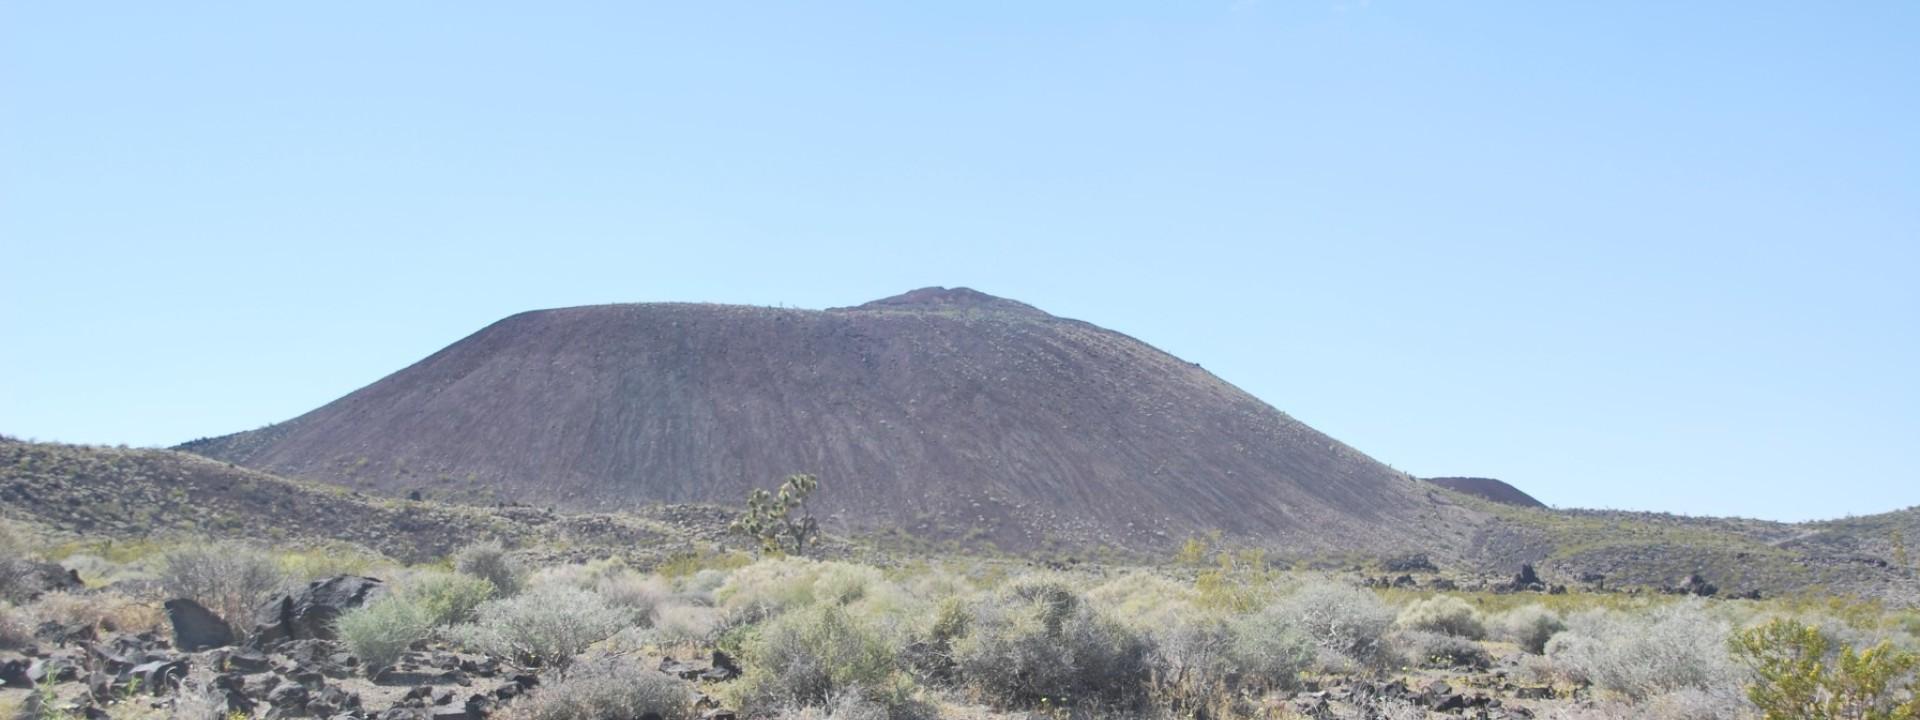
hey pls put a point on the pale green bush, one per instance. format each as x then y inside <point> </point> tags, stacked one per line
<point>617,583</point>
<point>1345,623</point>
<point>445,599</point>
<point>684,624</point>
<point>380,631</point>
<point>1426,648</point>
<point>772,586</point>
<point>1529,626</point>
<point>1444,614</point>
<point>1271,655</point>
<point>490,561</point>
<point>1201,665</point>
<point>607,689</point>
<point>1641,655</point>
<point>1144,601</point>
<point>808,656</point>
<point>642,596</point>
<point>703,584</point>
<point>1037,641</point>
<point>546,625</point>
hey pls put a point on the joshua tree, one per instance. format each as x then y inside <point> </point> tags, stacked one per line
<point>780,522</point>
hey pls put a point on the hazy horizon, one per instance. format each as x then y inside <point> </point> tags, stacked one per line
<point>1652,258</point>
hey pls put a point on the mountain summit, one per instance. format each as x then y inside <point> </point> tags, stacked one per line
<point>941,412</point>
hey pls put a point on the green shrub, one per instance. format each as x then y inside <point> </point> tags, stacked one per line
<point>229,578</point>
<point>490,561</point>
<point>1037,642</point>
<point>547,625</point>
<point>1347,623</point>
<point>1799,676</point>
<point>446,599</point>
<point>1529,626</point>
<point>381,631</point>
<point>607,689</point>
<point>1444,614</point>
<point>809,656</point>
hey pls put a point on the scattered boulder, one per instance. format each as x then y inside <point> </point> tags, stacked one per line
<point>310,612</point>
<point>160,676</point>
<point>1417,562</point>
<point>57,669</point>
<point>196,628</point>
<point>724,668</point>
<point>288,694</point>
<point>1694,585</point>
<point>678,669</point>
<point>13,672</point>
<point>240,661</point>
<point>1524,581</point>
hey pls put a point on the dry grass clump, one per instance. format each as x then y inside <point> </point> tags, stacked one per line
<point>13,558</point>
<point>327,560</point>
<point>14,630</point>
<point>106,611</point>
<point>229,578</point>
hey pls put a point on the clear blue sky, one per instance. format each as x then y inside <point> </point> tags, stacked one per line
<point>1640,255</point>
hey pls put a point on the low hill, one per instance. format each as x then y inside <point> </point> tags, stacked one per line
<point>1859,557</point>
<point>941,412</point>
<point>95,493</point>
<point>1488,489</point>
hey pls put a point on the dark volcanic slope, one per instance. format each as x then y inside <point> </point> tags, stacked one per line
<point>939,411</point>
<point>1488,488</point>
<point>96,493</point>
